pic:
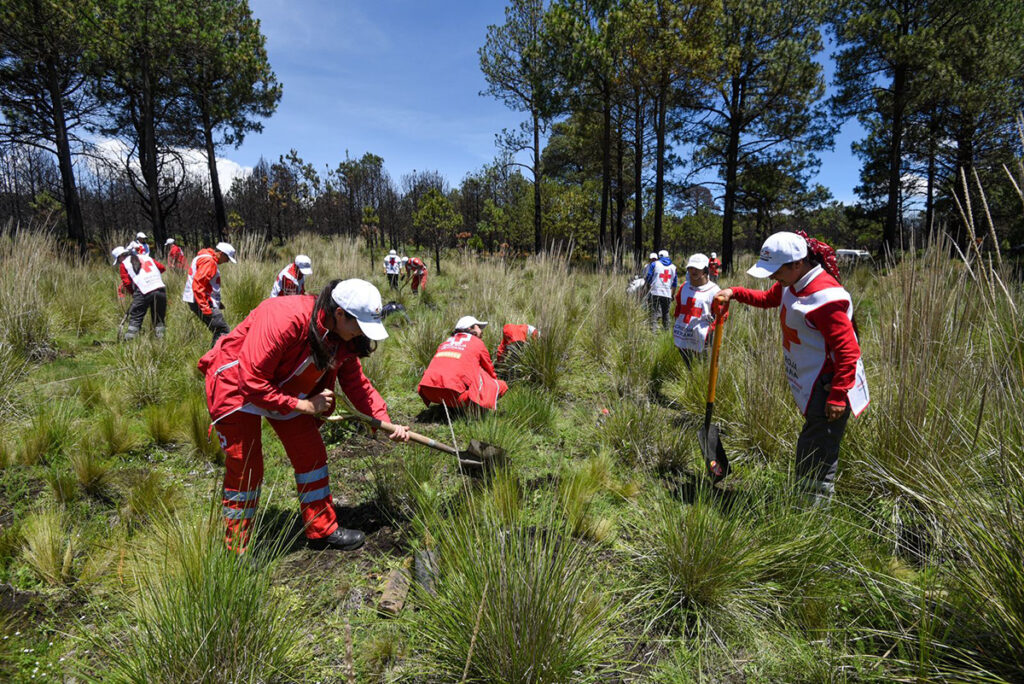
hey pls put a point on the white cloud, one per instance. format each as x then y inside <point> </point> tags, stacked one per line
<point>114,152</point>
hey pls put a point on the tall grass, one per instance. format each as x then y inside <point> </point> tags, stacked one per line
<point>29,267</point>
<point>198,613</point>
<point>50,546</point>
<point>52,433</point>
<point>12,371</point>
<point>541,618</point>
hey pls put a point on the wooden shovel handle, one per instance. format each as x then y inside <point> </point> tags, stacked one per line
<point>390,428</point>
<point>715,350</point>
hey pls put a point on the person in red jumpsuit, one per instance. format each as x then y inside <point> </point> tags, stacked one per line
<point>281,363</point>
<point>175,257</point>
<point>418,272</point>
<point>461,373</point>
<point>512,338</point>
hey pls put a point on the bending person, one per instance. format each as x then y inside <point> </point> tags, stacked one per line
<point>461,373</point>
<point>281,363</point>
<point>202,288</point>
<point>148,293</point>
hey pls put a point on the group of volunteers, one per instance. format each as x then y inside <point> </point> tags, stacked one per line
<point>400,267</point>
<point>141,277</point>
<point>283,360</point>
<point>820,349</point>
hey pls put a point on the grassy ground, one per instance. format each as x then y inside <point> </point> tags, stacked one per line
<point>600,553</point>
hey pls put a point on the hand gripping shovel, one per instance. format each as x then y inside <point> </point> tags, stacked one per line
<point>714,454</point>
<point>484,456</point>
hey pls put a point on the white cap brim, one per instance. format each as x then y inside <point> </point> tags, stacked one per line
<point>762,269</point>
<point>373,329</point>
<point>306,271</point>
<point>232,259</point>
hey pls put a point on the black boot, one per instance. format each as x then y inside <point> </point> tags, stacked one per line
<point>341,539</point>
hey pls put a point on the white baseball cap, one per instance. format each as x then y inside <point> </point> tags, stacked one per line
<point>714,256</point>
<point>698,261</point>
<point>779,249</point>
<point>362,300</point>
<point>228,250</point>
<point>663,252</point>
<point>304,264</point>
<point>392,253</point>
<point>170,241</point>
<point>141,236</point>
<point>467,322</point>
<point>654,255</point>
<point>116,252</point>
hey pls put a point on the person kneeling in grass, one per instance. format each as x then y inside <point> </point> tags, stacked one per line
<point>694,320</point>
<point>819,345</point>
<point>461,373</point>
<point>281,363</point>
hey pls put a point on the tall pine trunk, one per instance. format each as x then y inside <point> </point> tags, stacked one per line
<point>892,209</point>
<point>659,178</point>
<point>638,172</point>
<point>606,172</point>
<point>732,153</point>
<point>211,161</point>
<point>536,183</point>
<point>72,204</point>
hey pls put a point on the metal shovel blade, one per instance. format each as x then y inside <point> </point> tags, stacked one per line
<point>715,460</point>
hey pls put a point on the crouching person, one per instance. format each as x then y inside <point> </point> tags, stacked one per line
<point>461,373</point>
<point>281,363</point>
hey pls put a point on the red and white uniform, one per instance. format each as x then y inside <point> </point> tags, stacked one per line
<point>176,257</point>
<point>817,338</point>
<point>714,266</point>
<point>419,273</point>
<point>203,283</point>
<point>461,372</point>
<point>694,320</point>
<point>392,264</point>
<point>147,278</point>
<point>663,279</point>
<point>125,288</point>
<point>262,368</point>
<point>513,334</point>
<point>290,281</point>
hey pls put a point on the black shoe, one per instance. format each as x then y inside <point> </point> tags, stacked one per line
<point>341,539</point>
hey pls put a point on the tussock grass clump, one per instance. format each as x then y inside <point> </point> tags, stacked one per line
<point>161,423</point>
<point>63,485</point>
<point>150,497</point>
<point>150,372</point>
<point>200,613</point>
<point>24,303</point>
<point>516,603</point>
<point>532,409</point>
<point>91,472</point>
<point>250,284</point>
<point>204,442</point>
<point>51,433</point>
<point>734,563</point>
<point>50,546</point>
<point>12,371</point>
<point>429,329</point>
<point>639,434</point>
<point>115,434</point>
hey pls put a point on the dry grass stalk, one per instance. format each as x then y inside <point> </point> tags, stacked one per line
<point>476,630</point>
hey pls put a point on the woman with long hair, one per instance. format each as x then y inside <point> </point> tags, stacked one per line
<point>281,363</point>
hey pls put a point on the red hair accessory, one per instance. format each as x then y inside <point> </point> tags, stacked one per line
<point>826,255</point>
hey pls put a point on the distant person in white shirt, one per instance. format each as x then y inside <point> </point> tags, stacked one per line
<point>393,268</point>
<point>292,278</point>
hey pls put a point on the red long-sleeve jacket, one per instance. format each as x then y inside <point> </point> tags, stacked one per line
<point>265,364</point>
<point>176,257</point>
<point>513,334</point>
<point>463,364</point>
<point>204,273</point>
<point>841,347</point>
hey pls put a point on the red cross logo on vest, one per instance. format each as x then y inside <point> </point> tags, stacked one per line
<point>789,335</point>
<point>665,276</point>
<point>690,310</point>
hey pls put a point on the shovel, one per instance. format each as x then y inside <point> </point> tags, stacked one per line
<point>484,456</point>
<point>715,460</point>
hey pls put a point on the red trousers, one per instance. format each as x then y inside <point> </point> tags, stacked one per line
<point>243,458</point>
<point>419,281</point>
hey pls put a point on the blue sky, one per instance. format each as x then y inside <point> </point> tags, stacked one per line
<point>401,79</point>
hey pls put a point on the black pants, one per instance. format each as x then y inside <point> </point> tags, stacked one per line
<point>659,306</point>
<point>155,302</point>
<point>393,280</point>
<point>214,321</point>
<point>817,448</point>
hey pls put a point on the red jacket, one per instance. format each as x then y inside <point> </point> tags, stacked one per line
<point>176,257</point>
<point>842,349</point>
<point>207,273</point>
<point>126,281</point>
<point>265,365</point>
<point>513,334</point>
<point>462,363</point>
